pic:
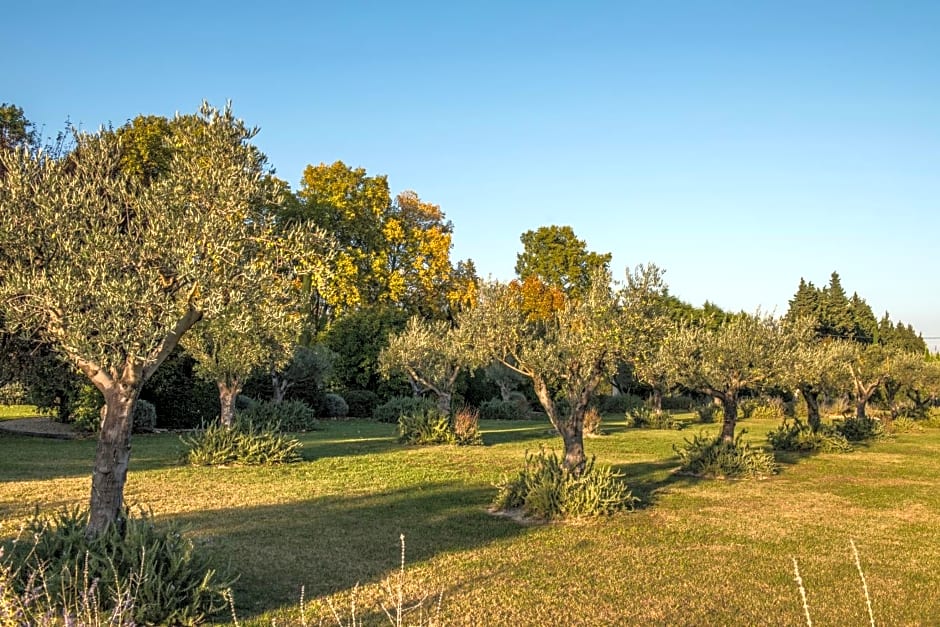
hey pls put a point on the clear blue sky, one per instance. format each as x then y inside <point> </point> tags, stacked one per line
<point>739,145</point>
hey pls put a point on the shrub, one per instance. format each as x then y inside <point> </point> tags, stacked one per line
<point>13,394</point>
<point>707,413</point>
<point>679,402</point>
<point>86,408</point>
<point>856,429</point>
<point>284,416</point>
<point>334,406</point>
<point>496,409</point>
<point>617,404</point>
<point>399,406</point>
<point>145,416</point>
<point>795,435</point>
<point>643,417</point>
<point>244,445</point>
<point>710,456</point>
<point>762,409</point>
<point>905,425</point>
<point>243,403</point>
<point>592,422</point>
<point>547,490</point>
<point>361,403</point>
<point>933,417</point>
<point>147,575</point>
<point>466,425</point>
<point>183,399</point>
<point>427,426</point>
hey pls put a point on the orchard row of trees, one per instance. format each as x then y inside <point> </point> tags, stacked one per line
<point>171,239</point>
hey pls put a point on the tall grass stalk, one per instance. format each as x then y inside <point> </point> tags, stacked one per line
<point>799,583</point>
<point>858,564</point>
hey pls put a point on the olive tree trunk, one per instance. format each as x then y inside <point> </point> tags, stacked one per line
<point>279,387</point>
<point>228,392</point>
<point>729,404</point>
<point>111,457</point>
<point>571,427</point>
<point>811,396</point>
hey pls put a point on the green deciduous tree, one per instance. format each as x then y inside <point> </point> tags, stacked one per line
<point>556,256</point>
<point>746,353</point>
<point>568,349</point>
<point>113,270</point>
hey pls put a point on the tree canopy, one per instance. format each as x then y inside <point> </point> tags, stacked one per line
<point>113,270</point>
<point>556,257</point>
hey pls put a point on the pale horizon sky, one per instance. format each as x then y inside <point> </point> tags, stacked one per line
<point>740,146</point>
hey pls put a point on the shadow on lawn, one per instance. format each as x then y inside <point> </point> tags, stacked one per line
<point>650,480</point>
<point>328,545</point>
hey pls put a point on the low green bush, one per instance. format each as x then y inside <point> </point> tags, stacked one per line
<point>643,417</point>
<point>288,416</point>
<point>145,416</point>
<point>545,489</point>
<point>243,402</point>
<point>710,456</point>
<point>617,404</point>
<point>856,429</point>
<point>933,418</point>
<point>592,422</point>
<point>762,409</point>
<point>905,425</point>
<point>795,435</point>
<point>428,426</point>
<point>497,409</point>
<point>14,393</point>
<point>399,406</point>
<point>361,403</point>
<point>678,402</point>
<point>243,445</point>
<point>148,575</point>
<point>333,406</point>
<point>707,412</point>
<point>431,426</point>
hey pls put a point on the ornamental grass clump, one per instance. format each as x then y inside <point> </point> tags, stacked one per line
<point>241,445</point>
<point>711,456</point>
<point>53,574</point>
<point>545,489</point>
<point>466,426</point>
<point>644,417</point>
<point>796,435</point>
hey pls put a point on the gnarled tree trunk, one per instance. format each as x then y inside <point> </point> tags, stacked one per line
<point>811,396</point>
<point>729,404</point>
<point>111,457</point>
<point>228,392</point>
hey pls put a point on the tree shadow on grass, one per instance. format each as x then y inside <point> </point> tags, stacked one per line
<point>510,431</point>
<point>650,480</point>
<point>330,544</point>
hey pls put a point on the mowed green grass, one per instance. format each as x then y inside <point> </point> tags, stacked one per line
<point>696,552</point>
<point>13,412</point>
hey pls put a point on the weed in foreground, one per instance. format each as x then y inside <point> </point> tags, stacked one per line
<point>861,574</point>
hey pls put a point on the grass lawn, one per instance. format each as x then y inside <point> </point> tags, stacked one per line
<point>696,552</point>
<point>12,412</point>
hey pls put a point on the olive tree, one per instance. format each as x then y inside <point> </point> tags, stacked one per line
<point>113,270</point>
<point>566,348</point>
<point>429,354</point>
<point>820,368</point>
<point>746,353</point>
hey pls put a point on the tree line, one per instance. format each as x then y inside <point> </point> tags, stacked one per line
<point>172,242</point>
